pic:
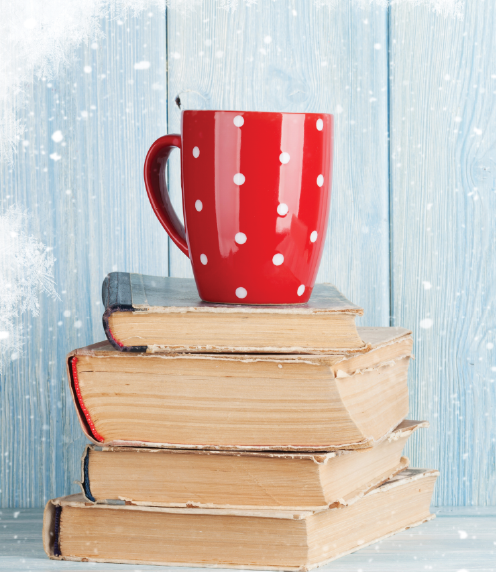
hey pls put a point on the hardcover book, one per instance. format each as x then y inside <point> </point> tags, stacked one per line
<point>248,402</point>
<point>156,314</point>
<point>241,479</point>
<point>76,530</point>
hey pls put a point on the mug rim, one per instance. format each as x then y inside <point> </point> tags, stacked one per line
<point>257,112</point>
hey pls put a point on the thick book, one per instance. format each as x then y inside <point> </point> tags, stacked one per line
<point>235,401</point>
<point>156,314</point>
<point>242,479</point>
<point>76,530</point>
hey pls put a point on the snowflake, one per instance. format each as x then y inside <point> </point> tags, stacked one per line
<point>25,271</point>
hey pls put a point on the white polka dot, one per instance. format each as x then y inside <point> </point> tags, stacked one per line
<point>238,120</point>
<point>320,180</point>
<point>240,237</point>
<point>277,259</point>
<point>320,124</point>
<point>241,292</point>
<point>198,206</point>
<point>300,290</point>
<point>284,158</point>
<point>313,236</point>
<point>282,209</point>
<point>196,152</point>
<point>203,258</point>
<point>239,179</point>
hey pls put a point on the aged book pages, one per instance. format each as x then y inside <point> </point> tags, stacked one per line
<point>157,314</point>
<point>245,480</point>
<point>263,402</point>
<point>282,540</point>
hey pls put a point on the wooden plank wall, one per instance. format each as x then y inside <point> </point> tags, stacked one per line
<point>443,202</point>
<point>91,207</point>
<point>429,193</point>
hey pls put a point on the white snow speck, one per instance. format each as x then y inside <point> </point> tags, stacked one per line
<point>426,285</point>
<point>203,259</point>
<point>458,119</point>
<point>489,345</point>
<point>377,46</point>
<point>320,180</point>
<point>198,206</point>
<point>16,514</point>
<point>462,534</point>
<point>84,114</point>
<point>57,136</point>
<point>338,109</point>
<point>143,65</point>
<point>477,131</point>
<point>284,157</point>
<point>219,53</point>
<point>67,313</point>
<point>282,209</point>
<point>267,39</point>
<point>30,23</point>
<point>87,69</point>
<point>94,46</point>
<point>426,323</point>
<point>4,335</point>
<point>78,324</point>
<point>277,259</point>
<point>313,236</point>
<point>301,290</point>
<point>196,152</point>
<point>55,156</point>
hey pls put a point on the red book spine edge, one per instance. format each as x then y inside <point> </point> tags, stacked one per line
<point>86,413</point>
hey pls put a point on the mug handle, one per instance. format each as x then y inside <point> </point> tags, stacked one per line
<point>156,187</point>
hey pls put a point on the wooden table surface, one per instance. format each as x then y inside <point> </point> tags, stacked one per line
<point>458,540</point>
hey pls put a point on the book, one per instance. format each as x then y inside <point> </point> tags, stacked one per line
<point>151,313</point>
<point>249,402</point>
<point>242,479</point>
<point>76,530</point>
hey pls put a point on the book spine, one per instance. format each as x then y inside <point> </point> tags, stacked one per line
<point>86,477</point>
<point>117,297</point>
<point>56,532</point>
<point>82,406</point>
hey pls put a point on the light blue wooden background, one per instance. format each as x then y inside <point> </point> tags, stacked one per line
<point>412,231</point>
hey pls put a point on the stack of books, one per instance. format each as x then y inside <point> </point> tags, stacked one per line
<point>237,436</point>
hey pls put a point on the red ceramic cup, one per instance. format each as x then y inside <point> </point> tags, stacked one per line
<point>256,194</point>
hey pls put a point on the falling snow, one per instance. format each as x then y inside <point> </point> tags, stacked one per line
<point>45,35</point>
<point>442,7</point>
<point>25,271</point>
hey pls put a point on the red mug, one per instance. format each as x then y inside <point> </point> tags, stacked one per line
<point>256,192</point>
